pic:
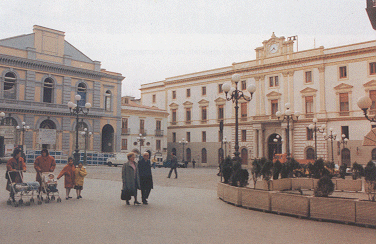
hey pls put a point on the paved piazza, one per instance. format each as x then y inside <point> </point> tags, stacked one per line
<point>183,210</point>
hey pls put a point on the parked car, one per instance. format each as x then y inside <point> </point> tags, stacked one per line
<point>118,159</point>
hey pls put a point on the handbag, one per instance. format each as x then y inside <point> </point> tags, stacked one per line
<point>125,195</point>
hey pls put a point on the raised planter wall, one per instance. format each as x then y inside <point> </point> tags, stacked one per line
<point>282,184</point>
<point>365,212</point>
<point>231,194</point>
<point>348,185</point>
<point>338,209</point>
<point>220,190</point>
<point>263,185</point>
<point>290,204</point>
<point>256,199</point>
<point>302,183</point>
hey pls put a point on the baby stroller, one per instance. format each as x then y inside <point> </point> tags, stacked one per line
<point>18,191</point>
<point>48,188</point>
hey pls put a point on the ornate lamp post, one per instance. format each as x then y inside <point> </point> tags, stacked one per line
<point>86,134</point>
<point>316,129</point>
<point>332,136</point>
<point>22,130</point>
<point>288,116</point>
<point>342,141</point>
<point>183,142</point>
<point>2,116</point>
<point>234,95</point>
<point>75,110</point>
<point>364,103</point>
<point>140,140</point>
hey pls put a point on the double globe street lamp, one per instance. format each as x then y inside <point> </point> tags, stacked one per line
<point>364,103</point>
<point>22,130</point>
<point>316,129</point>
<point>86,134</point>
<point>288,116</point>
<point>234,95</point>
<point>183,142</point>
<point>332,136</point>
<point>76,110</point>
<point>140,140</point>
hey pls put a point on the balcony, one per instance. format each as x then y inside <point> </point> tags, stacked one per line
<point>143,132</point>
<point>158,132</point>
<point>125,131</point>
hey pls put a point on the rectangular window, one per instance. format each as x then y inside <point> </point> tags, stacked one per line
<point>309,104</point>
<point>244,84</point>
<point>173,94</point>
<point>158,125</point>
<point>220,111</point>
<point>204,136</point>
<point>372,95</point>
<point>220,136</point>
<point>173,111</point>
<point>243,110</point>
<point>342,72</point>
<point>142,126</point>
<point>154,98</point>
<point>188,92</point>
<point>188,136</point>
<point>276,81</point>
<point>158,145</point>
<point>244,135</point>
<point>372,68</point>
<point>124,143</point>
<point>308,76</point>
<point>188,115</point>
<point>124,123</point>
<point>273,81</point>
<point>173,136</point>
<point>203,89</point>
<point>274,107</point>
<point>344,103</point>
<point>204,113</point>
<point>309,134</point>
<point>345,131</point>
<point>220,90</point>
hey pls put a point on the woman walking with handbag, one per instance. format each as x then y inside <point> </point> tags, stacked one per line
<point>131,179</point>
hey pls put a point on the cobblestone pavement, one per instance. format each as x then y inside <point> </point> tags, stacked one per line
<point>183,210</point>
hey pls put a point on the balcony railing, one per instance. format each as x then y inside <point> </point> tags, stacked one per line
<point>158,132</point>
<point>125,131</point>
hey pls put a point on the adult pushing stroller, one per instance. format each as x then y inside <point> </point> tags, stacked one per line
<point>48,188</point>
<point>18,190</point>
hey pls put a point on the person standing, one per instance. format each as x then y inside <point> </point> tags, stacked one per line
<point>69,175</point>
<point>131,178</point>
<point>79,176</point>
<point>146,178</point>
<point>44,163</point>
<point>174,165</point>
<point>194,163</point>
<point>154,162</point>
<point>14,164</point>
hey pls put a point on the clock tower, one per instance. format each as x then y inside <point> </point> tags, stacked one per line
<point>275,46</point>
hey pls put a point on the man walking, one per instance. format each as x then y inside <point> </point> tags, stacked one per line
<point>174,165</point>
<point>146,179</point>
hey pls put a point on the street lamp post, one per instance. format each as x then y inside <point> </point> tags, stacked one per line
<point>332,136</point>
<point>342,141</point>
<point>316,129</point>
<point>86,134</point>
<point>234,95</point>
<point>140,140</point>
<point>364,103</point>
<point>75,110</point>
<point>183,142</point>
<point>288,116</point>
<point>22,130</point>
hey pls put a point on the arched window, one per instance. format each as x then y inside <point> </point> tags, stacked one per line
<point>48,88</point>
<point>310,153</point>
<point>9,121</point>
<point>107,101</point>
<point>374,154</point>
<point>47,124</point>
<point>10,85</point>
<point>81,90</point>
<point>203,156</point>
<point>346,157</point>
<point>244,156</point>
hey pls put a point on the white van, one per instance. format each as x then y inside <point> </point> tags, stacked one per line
<point>118,159</point>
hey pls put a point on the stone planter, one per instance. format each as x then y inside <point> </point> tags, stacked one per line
<point>255,199</point>
<point>348,185</point>
<point>290,204</point>
<point>365,212</point>
<point>330,208</point>
<point>220,190</point>
<point>231,194</point>
<point>302,183</point>
<point>263,185</point>
<point>281,184</point>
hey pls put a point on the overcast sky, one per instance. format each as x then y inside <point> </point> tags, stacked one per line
<point>150,40</point>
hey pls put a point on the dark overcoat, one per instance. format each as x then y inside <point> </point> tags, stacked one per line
<point>146,178</point>
<point>131,179</point>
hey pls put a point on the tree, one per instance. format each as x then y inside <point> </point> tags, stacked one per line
<point>370,178</point>
<point>277,167</point>
<point>256,170</point>
<point>325,187</point>
<point>226,166</point>
<point>357,171</point>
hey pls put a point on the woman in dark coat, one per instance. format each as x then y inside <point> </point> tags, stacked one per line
<point>131,178</point>
<point>146,178</point>
<point>69,172</point>
<point>14,164</point>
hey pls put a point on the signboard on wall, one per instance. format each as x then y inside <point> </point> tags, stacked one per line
<point>47,136</point>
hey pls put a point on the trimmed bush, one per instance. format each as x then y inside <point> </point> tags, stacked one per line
<point>325,187</point>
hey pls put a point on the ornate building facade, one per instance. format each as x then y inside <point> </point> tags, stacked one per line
<point>320,83</point>
<point>39,74</point>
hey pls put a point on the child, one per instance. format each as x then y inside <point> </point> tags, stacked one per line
<point>51,183</point>
<point>80,174</point>
<point>68,172</point>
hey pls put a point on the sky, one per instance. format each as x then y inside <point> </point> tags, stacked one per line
<point>151,40</point>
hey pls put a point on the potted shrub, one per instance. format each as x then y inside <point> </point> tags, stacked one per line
<point>277,167</point>
<point>256,170</point>
<point>342,171</point>
<point>325,187</point>
<point>370,178</point>
<point>226,169</point>
<point>357,171</point>
<point>266,172</point>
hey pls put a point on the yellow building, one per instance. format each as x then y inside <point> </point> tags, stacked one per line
<point>39,74</point>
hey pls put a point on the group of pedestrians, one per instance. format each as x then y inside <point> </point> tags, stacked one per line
<point>73,177</point>
<point>137,176</point>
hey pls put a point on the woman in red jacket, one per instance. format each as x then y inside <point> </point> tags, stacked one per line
<point>13,164</point>
<point>69,173</point>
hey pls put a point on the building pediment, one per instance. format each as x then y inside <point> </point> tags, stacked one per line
<point>343,87</point>
<point>220,100</point>
<point>203,102</point>
<point>173,106</point>
<point>273,94</point>
<point>308,90</point>
<point>187,104</point>
<point>370,85</point>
